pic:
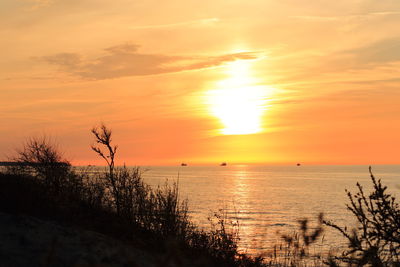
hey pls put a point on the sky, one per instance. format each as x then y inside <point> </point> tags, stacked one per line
<point>202,82</point>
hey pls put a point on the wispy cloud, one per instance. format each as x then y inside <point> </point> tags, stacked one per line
<point>347,17</point>
<point>125,60</point>
<point>316,18</point>
<point>379,52</point>
<point>191,23</point>
<point>35,4</point>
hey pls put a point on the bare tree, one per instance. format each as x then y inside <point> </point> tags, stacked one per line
<point>41,157</point>
<point>103,137</point>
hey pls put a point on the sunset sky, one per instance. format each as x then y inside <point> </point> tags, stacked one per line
<point>202,82</point>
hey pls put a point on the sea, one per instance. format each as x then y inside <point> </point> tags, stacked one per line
<point>268,201</point>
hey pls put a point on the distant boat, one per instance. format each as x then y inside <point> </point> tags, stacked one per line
<point>223,164</point>
<point>183,164</point>
<point>298,164</point>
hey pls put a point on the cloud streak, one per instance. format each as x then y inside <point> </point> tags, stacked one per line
<point>125,60</point>
<point>380,52</point>
<point>347,17</point>
<point>200,22</point>
<point>35,4</point>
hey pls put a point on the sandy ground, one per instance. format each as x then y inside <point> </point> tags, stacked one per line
<point>28,241</point>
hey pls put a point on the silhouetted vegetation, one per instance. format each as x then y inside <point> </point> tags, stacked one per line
<point>296,248</point>
<point>40,157</point>
<point>376,239</point>
<point>118,203</point>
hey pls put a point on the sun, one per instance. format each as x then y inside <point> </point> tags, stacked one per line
<point>240,110</point>
<point>239,103</point>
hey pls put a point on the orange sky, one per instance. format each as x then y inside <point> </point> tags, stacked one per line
<point>204,81</point>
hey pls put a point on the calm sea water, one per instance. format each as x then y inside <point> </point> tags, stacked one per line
<point>270,199</point>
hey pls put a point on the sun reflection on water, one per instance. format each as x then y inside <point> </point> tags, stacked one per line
<point>244,210</point>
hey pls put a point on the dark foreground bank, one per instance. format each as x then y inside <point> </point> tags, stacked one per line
<point>41,222</point>
<point>54,216</point>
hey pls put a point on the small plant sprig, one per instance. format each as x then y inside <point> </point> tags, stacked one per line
<point>376,239</point>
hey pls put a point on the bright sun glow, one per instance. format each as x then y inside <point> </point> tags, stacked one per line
<point>239,104</point>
